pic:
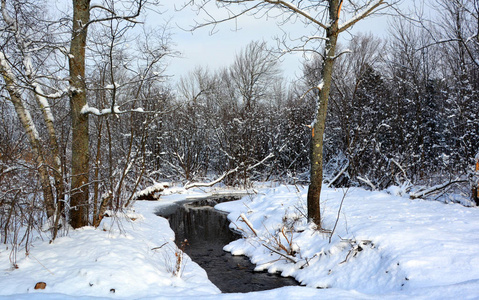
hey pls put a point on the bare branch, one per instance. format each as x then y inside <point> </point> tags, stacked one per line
<point>290,6</point>
<point>371,7</point>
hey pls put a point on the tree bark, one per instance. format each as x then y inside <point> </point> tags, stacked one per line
<point>32,133</point>
<point>316,175</point>
<point>80,134</point>
<point>24,46</point>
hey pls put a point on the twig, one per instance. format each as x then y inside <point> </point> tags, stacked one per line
<point>248,223</point>
<point>156,248</point>
<point>42,264</point>
<point>339,211</point>
<point>279,253</point>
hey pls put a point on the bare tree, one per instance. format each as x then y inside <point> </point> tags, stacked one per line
<point>356,110</point>
<point>25,55</point>
<point>324,17</point>
<point>254,70</point>
<point>457,30</point>
<point>254,74</point>
<point>189,138</point>
<point>38,71</point>
<point>107,11</point>
<point>80,131</point>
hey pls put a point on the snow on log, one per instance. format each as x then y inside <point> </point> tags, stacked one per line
<point>151,193</point>
<point>424,192</point>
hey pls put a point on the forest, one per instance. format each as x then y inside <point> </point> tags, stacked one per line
<point>90,117</point>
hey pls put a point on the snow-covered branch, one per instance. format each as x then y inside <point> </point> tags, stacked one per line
<point>341,172</point>
<point>8,19</point>
<point>347,51</point>
<point>227,173</point>
<point>319,87</point>
<point>8,170</point>
<point>424,192</point>
<point>109,111</point>
<point>367,181</point>
<point>208,184</point>
<point>400,168</point>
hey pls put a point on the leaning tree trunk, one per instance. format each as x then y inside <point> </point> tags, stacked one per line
<point>24,45</point>
<point>80,135</point>
<point>32,133</point>
<point>316,175</point>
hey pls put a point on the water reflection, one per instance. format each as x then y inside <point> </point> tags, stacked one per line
<point>207,231</point>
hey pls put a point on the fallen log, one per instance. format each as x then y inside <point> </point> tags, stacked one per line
<point>424,192</point>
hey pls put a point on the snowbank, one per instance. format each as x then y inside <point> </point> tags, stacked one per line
<point>384,247</point>
<point>117,260</point>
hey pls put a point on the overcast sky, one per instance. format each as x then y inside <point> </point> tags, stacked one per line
<point>213,51</point>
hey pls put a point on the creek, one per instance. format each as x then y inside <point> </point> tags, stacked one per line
<point>207,232</point>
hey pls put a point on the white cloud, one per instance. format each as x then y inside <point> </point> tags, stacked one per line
<point>217,50</point>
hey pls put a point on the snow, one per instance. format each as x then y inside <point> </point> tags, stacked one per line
<point>86,109</point>
<point>157,187</point>
<point>385,246</point>
<point>120,255</point>
<point>7,72</point>
<point>5,68</point>
<point>43,102</point>
<point>8,19</point>
<point>112,86</point>
<point>410,246</point>
<point>139,109</point>
<point>321,85</point>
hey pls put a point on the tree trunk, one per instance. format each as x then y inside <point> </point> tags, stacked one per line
<point>32,133</point>
<point>24,47</point>
<point>316,175</point>
<point>80,135</point>
<point>55,154</point>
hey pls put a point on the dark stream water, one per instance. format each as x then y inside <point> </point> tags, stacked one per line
<point>207,231</point>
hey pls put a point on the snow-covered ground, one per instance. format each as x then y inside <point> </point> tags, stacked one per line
<point>384,246</point>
